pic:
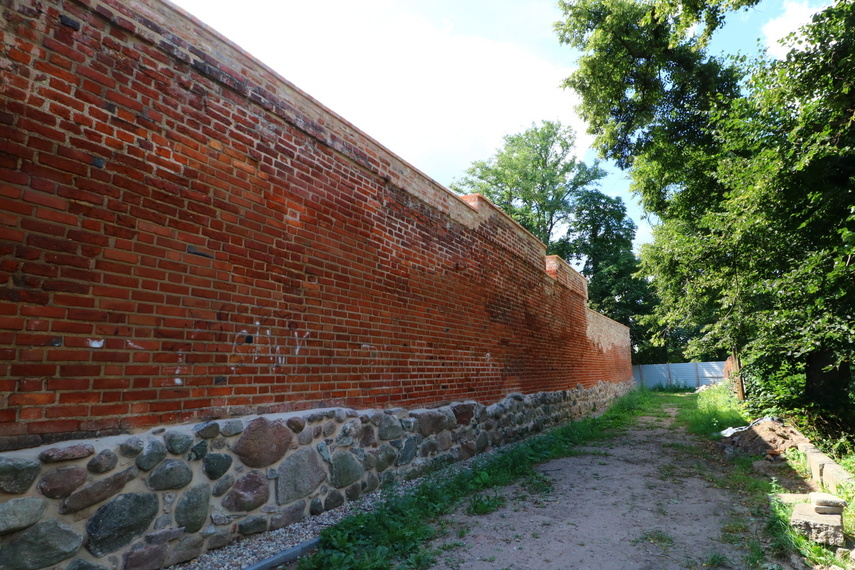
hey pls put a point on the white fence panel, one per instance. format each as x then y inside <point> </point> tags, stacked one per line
<point>693,374</point>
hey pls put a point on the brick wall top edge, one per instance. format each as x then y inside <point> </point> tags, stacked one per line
<point>565,274</point>
<point>605,332</point>
<point>183,36</point>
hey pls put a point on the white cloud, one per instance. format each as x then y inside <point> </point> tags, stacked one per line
<point>438,98</point>
<point>795,14</point>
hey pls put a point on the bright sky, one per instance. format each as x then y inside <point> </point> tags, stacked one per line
<point>440,82</point>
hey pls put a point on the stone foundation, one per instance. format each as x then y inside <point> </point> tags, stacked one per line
<point>167,495</point>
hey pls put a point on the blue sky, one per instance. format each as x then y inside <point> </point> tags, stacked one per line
<point>440,82</point>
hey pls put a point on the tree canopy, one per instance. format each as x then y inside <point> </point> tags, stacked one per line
<point>748,163</point>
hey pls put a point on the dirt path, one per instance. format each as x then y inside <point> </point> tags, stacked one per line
<point>644,501</point>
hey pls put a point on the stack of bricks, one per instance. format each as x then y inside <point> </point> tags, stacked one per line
<point>185,236</point>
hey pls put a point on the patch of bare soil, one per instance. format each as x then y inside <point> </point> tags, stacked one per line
<point>770,438</point>
<point>646,501</point>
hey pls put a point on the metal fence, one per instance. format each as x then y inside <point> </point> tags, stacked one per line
<point>691,374</point>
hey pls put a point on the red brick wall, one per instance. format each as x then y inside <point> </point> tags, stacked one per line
<point>185,235</point>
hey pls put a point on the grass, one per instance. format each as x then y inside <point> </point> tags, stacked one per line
<point>717,408</point>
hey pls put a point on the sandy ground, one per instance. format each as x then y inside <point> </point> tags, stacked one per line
<point>640,501</point>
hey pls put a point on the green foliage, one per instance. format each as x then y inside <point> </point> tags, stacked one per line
<point>484,504</point>
<point>750,166</point>
<point>716,410</point>
<point>534,178</point>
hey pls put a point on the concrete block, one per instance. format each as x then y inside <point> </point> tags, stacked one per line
<point>824,529</point>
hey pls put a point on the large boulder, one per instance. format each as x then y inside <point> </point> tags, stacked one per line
<point>263,443</point>
<point>120,521</point>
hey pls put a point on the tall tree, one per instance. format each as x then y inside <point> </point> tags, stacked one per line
<point>534,178</point>
<point>752,178</point>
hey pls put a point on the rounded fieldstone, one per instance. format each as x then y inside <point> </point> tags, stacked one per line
<point>229,428</point>
<point>120,521</point>
<point>191,512</point>
<point>366,436</point>
<point>386,456</point>
<point>296,424</point>
<point>152,454</point>
<point>248,493</point>
<point>43,544</point>
<point>215,465</point>
<point>207,430</point>
<point>390,428</point>
<point>62,481</point>
<point>345,469</point>
<point>69,453</point>
<point>299,475</point>
<point>132,447</point>
<point>316,507</point>
<point>19,514</point>
<point>17,474</point>
<point>288,515</point>
<point>170,474</point>
<point>97,491</point>
<point>176,442</point>
<point>253,525</point>
<point>352,493</point>
<point>223,485</point>
<point>262,443</point>
<point>199,451</point>
<point>371,483</point>
<point>409,449</point>
<point>106,460</point>
<point>333,500</point>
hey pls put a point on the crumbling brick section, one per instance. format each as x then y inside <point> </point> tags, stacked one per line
<point>185,235</point>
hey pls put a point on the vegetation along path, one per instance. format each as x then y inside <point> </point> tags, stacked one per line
<point>632,489</point>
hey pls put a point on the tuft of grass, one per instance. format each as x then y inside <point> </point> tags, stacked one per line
<point>484,504</point>
<point>716,560</point>
<point>658,538</point>
<point>717,409</point>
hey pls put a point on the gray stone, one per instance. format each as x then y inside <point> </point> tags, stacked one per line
<point>390,428</point>
<point>219,539</point>
<point>223,485</point>
<point>353,492</point>
<point>152,454</point>
<point>191,512</point>
<point>17,474</point>
<point>329,428</point>
<point>69,453</point>
<point>366,436</point>
<point>162,536</point>
<point>466,450</point>
<point>444,441</point>
<point>262,443</point>
<point>199,451</point>
<point>150,557</point>
<point>18,514</point>
<point>371,482</point>
<point>350,432</point>
<point>253,525</point>
<point>428,447</point>
<point>826,510</point>
<point>305,437</point>
<point>177,442</point>
<point>481,442</point>
<point>215,465</point>
<point>826,500</point>
<point>62,481</point>
<point>324,450</point>
<point>132,447</point>
<point>187,548</point>
<point>409,424</point>
<point>288,515</point>
<point>463,412</point>
<point>120,521</point>
<point>824,529</point>
<point>163,521</point>
<point>97,491</point>
<point>170,474</point>
<point>316,507</point>
<point>40,545</point>
<point>296,424</point>
<point>299,475</point>
<point>248,493</point>
<point>78,564</point>
<point>409,449</point>
<point>208,430</point>
<point>333,500</point>
<point>105,461</point>
<point>345,469</point>
<point>229,428</point>
<point>386,456</point>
